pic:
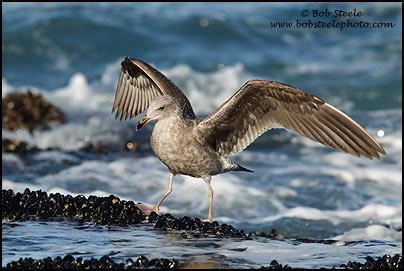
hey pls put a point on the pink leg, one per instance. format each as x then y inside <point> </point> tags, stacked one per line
<point>207,180</point>
<point>147,209</point>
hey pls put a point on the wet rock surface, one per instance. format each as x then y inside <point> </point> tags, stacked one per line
<point>25,110</point>
<point>113,211</point>
<point>108,211</point>
<point>275,265</point>
<point>102,148</point>
<point>16,146</point>
<point>38,204</point>
<point>272,234</point>
<point>105,262</point>
<point>385,262</point>
<point>28,110</point>
<point>167,221</point>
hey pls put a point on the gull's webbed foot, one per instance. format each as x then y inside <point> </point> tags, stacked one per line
<point>147,210</point>
<point>207,220</point>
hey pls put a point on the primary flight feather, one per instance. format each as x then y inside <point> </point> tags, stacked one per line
<point>197,146</point>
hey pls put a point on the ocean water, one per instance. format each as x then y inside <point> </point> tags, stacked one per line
<point>71,53</point>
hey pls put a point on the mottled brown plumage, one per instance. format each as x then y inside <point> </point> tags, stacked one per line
<point>197,146</point>
<point>139,84</point>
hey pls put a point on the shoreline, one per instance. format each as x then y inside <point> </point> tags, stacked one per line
<point>38,205</point>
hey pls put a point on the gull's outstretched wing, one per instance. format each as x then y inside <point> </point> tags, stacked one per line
<point>139,83</point>
<point>260,105</point>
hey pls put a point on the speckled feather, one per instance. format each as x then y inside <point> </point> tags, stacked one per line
<point>197,146</point>
<point>258,106</point>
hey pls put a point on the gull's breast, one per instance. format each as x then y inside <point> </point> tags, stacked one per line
<point>175,145</point>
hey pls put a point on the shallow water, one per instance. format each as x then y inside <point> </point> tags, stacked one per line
<point>209,50</point>
<point>88,240</point>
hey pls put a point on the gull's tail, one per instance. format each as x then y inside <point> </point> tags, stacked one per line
<point>230,165</point>
<point>240,168</point>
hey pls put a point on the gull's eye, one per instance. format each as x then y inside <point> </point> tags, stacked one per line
<point>162,108</point>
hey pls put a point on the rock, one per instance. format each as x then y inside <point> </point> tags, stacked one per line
<point>114,211</point>
<point>102,148</point>
<point>101,210</point>
<point>95,148</point>
<point>16,146</point>
<point>167,221</point>
<point>28,110</point>
<point>105,262</point>
<point>385,262</point>
<point>275,265</point>
<point>272,235</point>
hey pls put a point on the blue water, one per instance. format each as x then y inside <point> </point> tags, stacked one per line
<point>57,40</point>
<point>71,53</point>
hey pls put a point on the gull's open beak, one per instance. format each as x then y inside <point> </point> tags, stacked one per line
<point>142,121</point>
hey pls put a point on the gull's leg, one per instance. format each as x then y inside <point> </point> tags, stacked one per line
<point>169,189</point>
<point>207,180</point>
<point>147,209</point>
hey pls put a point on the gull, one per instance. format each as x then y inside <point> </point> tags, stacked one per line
<point>198,147</point>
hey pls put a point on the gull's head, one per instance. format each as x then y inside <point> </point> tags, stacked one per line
<point>160,108</point>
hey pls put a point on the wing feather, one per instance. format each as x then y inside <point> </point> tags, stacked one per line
<point>131,103</point>
<point>119,92</point>
<point>142,101</point>
<point>127,101</point>
<point>261,105</point>
<point>135,109</point>
<point>124,97</point>
<point>139,83</point>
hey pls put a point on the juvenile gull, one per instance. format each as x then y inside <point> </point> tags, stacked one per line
<point>197,146</point>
